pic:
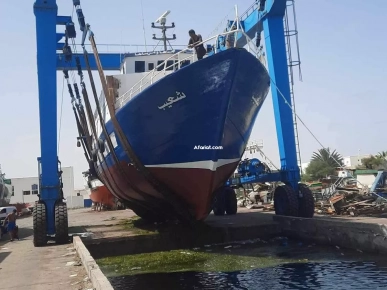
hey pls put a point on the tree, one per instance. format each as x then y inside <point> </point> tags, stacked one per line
<point>323,163</point>
<point>325,155</point>
<point>382,154</point>
<point>374,162</point>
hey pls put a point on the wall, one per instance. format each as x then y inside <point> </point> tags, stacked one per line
<point>83,192</point>
<point>354,160</point>
<point>68,181</point>
<point>368,237</point>
<point>347,161</point>
<point>26,183</point>
<point>74,201</point>
<point>366,179</point>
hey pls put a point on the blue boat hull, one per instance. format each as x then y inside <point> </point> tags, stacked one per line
<point>213,102</point>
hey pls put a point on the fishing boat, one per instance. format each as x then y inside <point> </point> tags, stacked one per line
<point>5,190</point>
<point>172,129</point>
<point>100,194</point>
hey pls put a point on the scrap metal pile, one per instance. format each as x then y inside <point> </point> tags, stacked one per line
<point>342,196</point>
<point>257,196</point>
<point>337,196</point>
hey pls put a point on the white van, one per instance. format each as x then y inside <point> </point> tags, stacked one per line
<point>4,211</point>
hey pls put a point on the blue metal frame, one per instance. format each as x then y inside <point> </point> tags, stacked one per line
<point>273,28</point>
<point>46,19</point>
<point>272,18</point>
<point>49,61</point>
<point>380,182</point>
<point>109,61</point>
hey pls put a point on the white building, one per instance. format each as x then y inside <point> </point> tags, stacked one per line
<point>366,177</point>
<point>353,161</point>
<point>85,192</point>
<point>26,189</point>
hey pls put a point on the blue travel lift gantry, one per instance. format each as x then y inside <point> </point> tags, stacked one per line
<point>293,198</point>
<point>50,212</point>
<point>379,187</point>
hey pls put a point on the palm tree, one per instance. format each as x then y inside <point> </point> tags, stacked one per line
<point>382,155</point>
<point>333,159</point>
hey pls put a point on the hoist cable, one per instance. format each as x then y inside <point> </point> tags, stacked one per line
<point>60,118</point>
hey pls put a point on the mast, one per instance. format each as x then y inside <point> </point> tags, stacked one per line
<point>1,174</point>
<point>162,20</point>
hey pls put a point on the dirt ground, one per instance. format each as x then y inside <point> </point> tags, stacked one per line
<point>24,267</point>
<point>114,224</point>
<point>111,224</point>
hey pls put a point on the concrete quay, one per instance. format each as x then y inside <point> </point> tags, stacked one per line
<point>111,233</point>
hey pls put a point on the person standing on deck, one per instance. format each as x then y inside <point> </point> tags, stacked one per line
<point>194,42</point>
<point>11,226</point>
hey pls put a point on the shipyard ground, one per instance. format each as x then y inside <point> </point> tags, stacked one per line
<point>116,233</point>
<point>113,233</point>
<point>22,266</point>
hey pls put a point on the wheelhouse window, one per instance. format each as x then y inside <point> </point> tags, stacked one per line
<point>139,66</point>
<point>113,139</point>
<point>170,64</point>
<point>161,67</point>
<point>107,150</point>
<point>185,62</point>
<point>151,66</point>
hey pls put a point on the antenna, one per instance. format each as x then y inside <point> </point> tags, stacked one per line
<point>143,26</point>
<point>162,20</point>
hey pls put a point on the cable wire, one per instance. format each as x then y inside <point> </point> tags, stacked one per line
<point>314,136</point>
<point>60,118</point>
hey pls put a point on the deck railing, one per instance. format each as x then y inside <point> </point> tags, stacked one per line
<point>178,60</point>
<point>249,10</point>
<point>123,49</point>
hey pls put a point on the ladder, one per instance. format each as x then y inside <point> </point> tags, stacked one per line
<point>291,35</point>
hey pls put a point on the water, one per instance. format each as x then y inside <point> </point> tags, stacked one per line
<point>334,275</point>
<point>314,268</point>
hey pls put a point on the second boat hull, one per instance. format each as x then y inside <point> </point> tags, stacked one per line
<point>102,195</point>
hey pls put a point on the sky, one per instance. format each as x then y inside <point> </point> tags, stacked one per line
<point>343,52</point>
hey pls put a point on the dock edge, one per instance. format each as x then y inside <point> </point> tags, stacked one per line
<point>366,236</point>
<point>98,279</point>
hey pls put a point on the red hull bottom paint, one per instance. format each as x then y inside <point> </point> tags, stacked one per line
<point>101,194</point>
<point>195,186</point>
